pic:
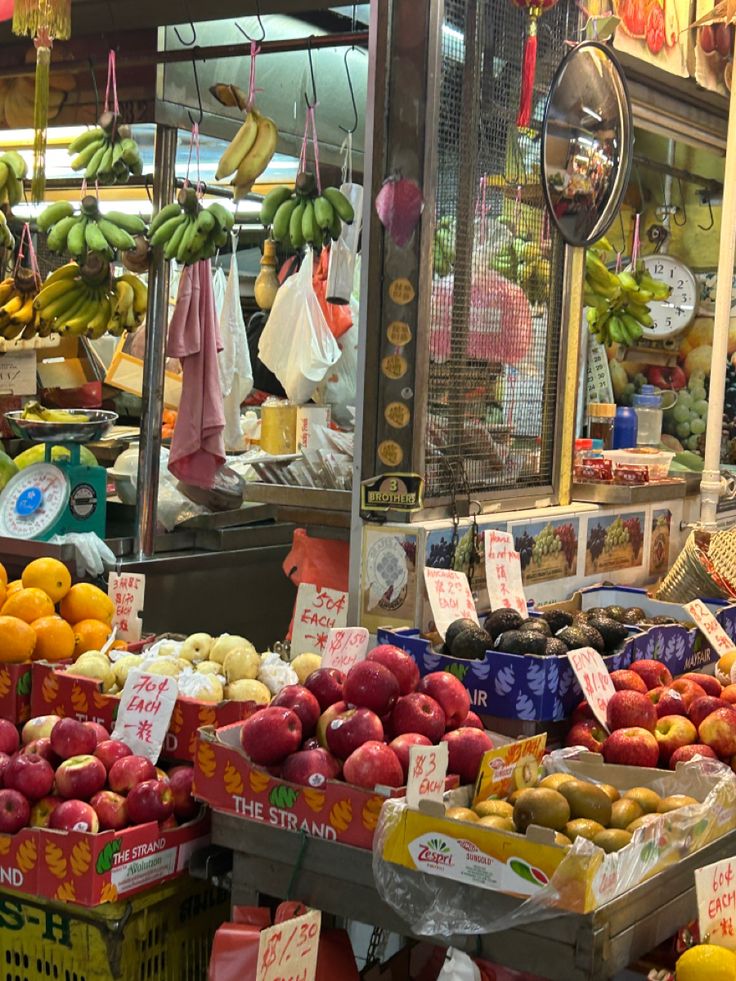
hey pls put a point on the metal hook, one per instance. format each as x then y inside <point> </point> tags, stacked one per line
<point>354,127</point>
<point>313,103</point>
<point>94,86</point>
<point>186,44</point>
<point>148,187</point>
<point>192,120</point>
<point>707,200</point>
<point>246,35</point>
<point>675,211</point>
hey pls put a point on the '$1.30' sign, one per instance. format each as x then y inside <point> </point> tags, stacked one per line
<point>288,950</point>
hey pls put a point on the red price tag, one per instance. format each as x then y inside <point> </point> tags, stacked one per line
<point>427,772</point>
<point>345,647</point>
<point>594,679</point>
<point>449,597</point>
<point>710,627</point>
<point>288,950</point>
<point>503,572</point>
<point>146,704</point>
<point>715,889</point>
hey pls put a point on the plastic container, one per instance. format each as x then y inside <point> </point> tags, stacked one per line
<point>278,427</point>
<point>601,416</point>
<point>624,428</point>
<point>648,407</point>
<point>657,462</point>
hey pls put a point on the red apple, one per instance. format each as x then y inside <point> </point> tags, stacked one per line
<point>326,686</point>
<point>111,810</point>
<point>690,690</point>
<point>709,684</point>
<point>80,777</point>
<point>310,767</point>
<point>685,753</point>
<point>9,738</point>
<point>628,681</point>
<point>729,694</point>
<point>180,781</point>
<point>703,706</point>
<point>403,743</point>
<point>126,772</point>
<point>466,747</point>
<point>30,775</point>
<point>15,811</point>
<point>473,721</point>
<point>632,746</point>
<point>41,747</point>
<point>300,700</point>
<point>74,815</point>
<point>588,733</point>
<point>169,823</point>
<point>330,713</point>
<point>351,729</point>
<point>673,732</point>
<point>38,728</point>
<point>627,709</point>
<point>111,750</point>
<point>269,736</point>
<point>373,763</point>
<point>153,800</point>
<point>69,737</point>
<point>671,702</point>
<point>581,711</point>
<point>655,694</point>
<point>652,672</point>
<point>418,712</point>
<point>371,685</point>
<point>450,694</point>
<point>401,665</point>
<point>717,730</point>
<point>42,810</point>
<point>101,733</point>
<point>4,760</point>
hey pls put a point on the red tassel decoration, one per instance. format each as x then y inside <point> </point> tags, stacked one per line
<point>528,74</point>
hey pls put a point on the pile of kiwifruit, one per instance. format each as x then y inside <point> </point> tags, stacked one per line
<point>573,809</point>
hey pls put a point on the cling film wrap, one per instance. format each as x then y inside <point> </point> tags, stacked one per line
<point>585,878</point>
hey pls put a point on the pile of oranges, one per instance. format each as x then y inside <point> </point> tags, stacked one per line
<point>32,629</point>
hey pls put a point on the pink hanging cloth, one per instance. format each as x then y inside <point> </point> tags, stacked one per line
<point>197,447</point>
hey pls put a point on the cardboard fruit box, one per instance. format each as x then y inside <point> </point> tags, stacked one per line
<point>15,692</point>
<point>57,690</point>
<point>228,781</point>
<point>89,869</point>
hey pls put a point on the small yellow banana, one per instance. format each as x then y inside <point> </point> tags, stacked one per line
<point>240,147</point>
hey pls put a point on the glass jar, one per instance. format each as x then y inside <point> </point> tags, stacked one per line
<point>600,419</point>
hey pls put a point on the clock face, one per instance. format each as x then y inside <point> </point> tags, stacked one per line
<point>673,315</point>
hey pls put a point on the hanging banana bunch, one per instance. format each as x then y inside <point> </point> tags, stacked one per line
<point>304,216</point>
<point>187,231</point>
<point>88,230</point>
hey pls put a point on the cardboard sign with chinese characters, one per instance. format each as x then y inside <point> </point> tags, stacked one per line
<point>317,611</point>
<point>146,704</point>
<point>710,627</point>
<point>345,647</point>
<point>715,888</point>
<point>18,373</point>
<point>288,950</point>
<point>594,679</point>
<point>449,597</point>
<point>427,772</point>
<point>509,767</point>
<point>503,572</point>
<point>127,591</point>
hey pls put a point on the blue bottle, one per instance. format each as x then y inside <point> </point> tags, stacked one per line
<point>624,428</point>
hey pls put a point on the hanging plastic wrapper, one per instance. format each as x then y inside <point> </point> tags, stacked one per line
<point>344,251</point>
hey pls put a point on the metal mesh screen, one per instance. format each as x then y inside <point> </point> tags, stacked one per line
<point>496,296</point>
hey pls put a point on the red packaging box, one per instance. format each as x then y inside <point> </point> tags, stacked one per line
<point>15,692</point>
<point>57,691</point>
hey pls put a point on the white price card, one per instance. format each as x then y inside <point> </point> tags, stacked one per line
<point>18,373</point>
<point>594,679</point>
<point>345,647</point>
<point>710,627</point>
<point>127,591</point>
<point>450,598</point>
<point>427,772</point>
<point>146,704</point>
<point>715,889</point>
<point>503,572</point>
<point>288,951</point>
<point>317,611</point>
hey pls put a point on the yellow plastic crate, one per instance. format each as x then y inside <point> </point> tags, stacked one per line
<point>164,934</point>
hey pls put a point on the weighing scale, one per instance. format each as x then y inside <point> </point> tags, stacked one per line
<point>60,496</point>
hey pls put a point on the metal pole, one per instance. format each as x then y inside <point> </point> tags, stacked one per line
<point>155,354</point>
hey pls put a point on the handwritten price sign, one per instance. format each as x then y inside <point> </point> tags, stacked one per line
<point>503,572</point>
<point>449,597</point>
<point>345,647</point>
<point>710,627</point>
<point>146,704</point>
<point>288,950</point>
<point>594,679</point>
<point>317,612</point>
<point>715,888</point>
<point>127,591</point>
<point>427,772</point>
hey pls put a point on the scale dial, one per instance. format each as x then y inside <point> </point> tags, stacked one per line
<point>33,501</point>
<point>675,314</point>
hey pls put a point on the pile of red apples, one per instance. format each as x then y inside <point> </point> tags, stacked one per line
<point>360,727</point>
<point>71,776</point>
<point>654,720</point>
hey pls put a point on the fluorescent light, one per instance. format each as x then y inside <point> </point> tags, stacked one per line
<point>453,34</point>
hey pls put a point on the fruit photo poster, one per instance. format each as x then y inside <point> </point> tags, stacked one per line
<point>614,542</point>
<point>655,31</point>
<point>547,549</point>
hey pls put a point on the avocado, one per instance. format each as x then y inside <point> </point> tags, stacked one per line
<point>557,619</point>
<point>612,632</point>
<point>521,642</point>
<point>457,627</point>
<point>634,615</point>
<point>657,621</point>
<point>594,638</point>
<point>555,647</point>
<point>537,625</point>
<point>615,612</point>
<point>499,621</point>
<point>472,644</point>
<point>581,635</point>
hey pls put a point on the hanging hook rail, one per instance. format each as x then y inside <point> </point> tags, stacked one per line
<point>186,44</point>
<point>192,120</point>
<point>254,40</point>
<point>686,176</point>
<point>313,103</point>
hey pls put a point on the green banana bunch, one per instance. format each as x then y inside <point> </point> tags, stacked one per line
<point>13,169</point>
<point>617,304</point>
<point>443,250</point>
<point>89,230</point>
<point>6,236</point>
<point>187,231</point>
<point>303,216</point>
<point>107,153</point>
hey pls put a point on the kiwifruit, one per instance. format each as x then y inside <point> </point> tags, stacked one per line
<point>555,647</point>
<point>542,806</point>
<point>526,773</point>
<point>461,814</point>
<point>583,828</point>
<point>587,800</point>
<point>536,625</point>
<point>494,808</point>
<point>516,794</point>
<point>561,839</point>
<point>624,811</point>
<point>612,839</point>
<point>499,621</point>
<point>497,822</point>
<point>674,802</point>
<point>647,799</point>
<point>642,822</point>
<point>557,619</point>
<point>555,780</point>
<point>612,792</point>
<point>457,627</point>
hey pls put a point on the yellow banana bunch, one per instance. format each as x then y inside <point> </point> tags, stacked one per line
<point>34,410</point>
<point>249,152</point>
<point>617,304</point>
<point>17,315</point>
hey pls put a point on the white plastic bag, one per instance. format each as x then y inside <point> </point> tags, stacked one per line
<point>296,343</point>
<point>458,967</point>
<point>236,373</point>
<point>338,389</point>
<point>343,252</point>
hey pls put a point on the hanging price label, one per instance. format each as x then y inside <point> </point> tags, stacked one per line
<point>288,950</point>
<point>449,597</point>
<point>594,679</point>
<point>715,889</point>
<point>317,611</point>
<point>127,590</point>
<point>427,772</point>
<point>503,572</point>
<point>345,647</point>
<point>146,705</point>
<point>710,627</point>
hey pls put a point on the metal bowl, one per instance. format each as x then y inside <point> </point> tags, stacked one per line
<point>97,423</point>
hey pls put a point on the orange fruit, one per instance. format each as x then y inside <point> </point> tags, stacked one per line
<point>86,602</point>
<point>119,645</point>
<point>3,575</point>
<point>17,640</point>
<point>28,605</point>
<point>54,639</point>
<point>13,587</point>
<point>50,575</point>
<point>89,635</point>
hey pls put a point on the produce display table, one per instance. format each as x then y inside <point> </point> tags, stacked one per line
<point>338,879</point>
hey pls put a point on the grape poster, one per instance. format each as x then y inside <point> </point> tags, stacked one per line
<point>547,549</point>
<point>614,542</point>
